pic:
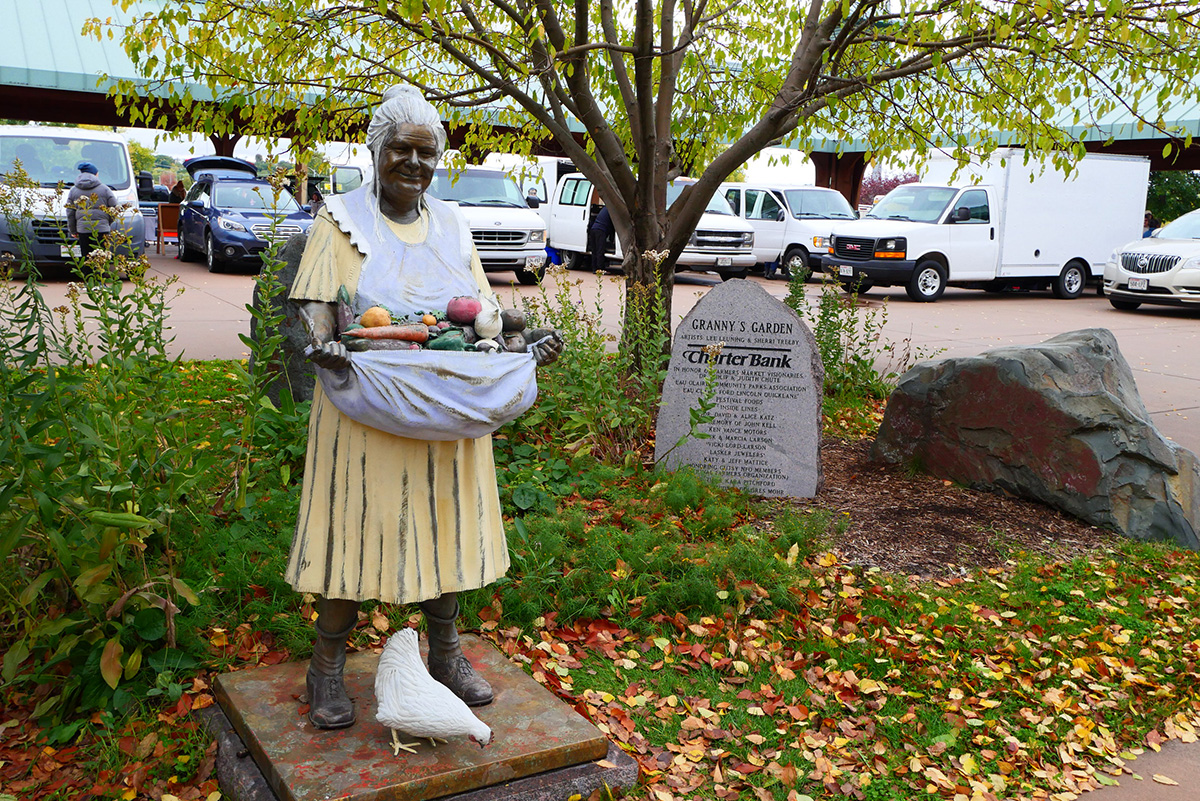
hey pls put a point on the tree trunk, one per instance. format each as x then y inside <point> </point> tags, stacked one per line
<point>649,285</point>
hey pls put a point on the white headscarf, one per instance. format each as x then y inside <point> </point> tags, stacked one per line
<point>401,105</point>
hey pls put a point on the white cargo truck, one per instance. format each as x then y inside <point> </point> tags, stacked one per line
<point>1001,223</point>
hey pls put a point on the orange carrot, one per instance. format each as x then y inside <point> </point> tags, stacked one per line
<point>410,333</point>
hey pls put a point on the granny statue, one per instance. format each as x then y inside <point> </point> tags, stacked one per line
<point>399,519</point>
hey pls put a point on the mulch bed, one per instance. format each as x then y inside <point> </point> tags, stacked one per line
<point>924,526</point>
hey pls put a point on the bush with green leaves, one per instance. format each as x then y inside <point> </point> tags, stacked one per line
<point>103,464</point>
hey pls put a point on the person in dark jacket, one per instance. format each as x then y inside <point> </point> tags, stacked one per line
<point>178,192</point>
<point>91,208</point>
<point>599,235</point>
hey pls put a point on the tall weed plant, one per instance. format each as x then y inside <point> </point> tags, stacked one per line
<point>598,400</point>
<point>861,364</point>
<point>97,470</point>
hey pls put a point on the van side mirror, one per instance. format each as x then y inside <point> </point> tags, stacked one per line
<point>962,214</point>
<point>781,216</point>
<point>532,202</point>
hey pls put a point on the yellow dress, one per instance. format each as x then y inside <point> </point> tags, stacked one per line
<point>384,517</point>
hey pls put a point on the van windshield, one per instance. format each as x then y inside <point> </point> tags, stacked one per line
<point>812,204</point>
<point>51,160</point>
<point>477,188</point>
<point>717,204</point>
<point>912,202</point>
<point>253,197</point>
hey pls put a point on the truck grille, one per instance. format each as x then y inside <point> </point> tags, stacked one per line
<point>718,240</point>
<point>282,232</point>
<point>50,232</point>
<point>501,238</point>
<point>849,247</point>
<point>1144,263</point>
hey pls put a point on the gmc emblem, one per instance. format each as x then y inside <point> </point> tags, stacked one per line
<point>853,247</point>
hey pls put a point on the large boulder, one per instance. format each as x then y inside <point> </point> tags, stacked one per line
<point>1060,422</point>
<point>289,367</point>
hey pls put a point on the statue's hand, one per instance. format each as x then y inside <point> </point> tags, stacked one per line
<point>547,349</point>
<point>330,355</point>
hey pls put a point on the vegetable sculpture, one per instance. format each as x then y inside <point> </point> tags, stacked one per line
<point>465,325</point>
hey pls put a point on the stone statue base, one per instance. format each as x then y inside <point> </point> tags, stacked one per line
<point>542,747</point>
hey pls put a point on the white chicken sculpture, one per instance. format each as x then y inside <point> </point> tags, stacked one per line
<point>408,699</point>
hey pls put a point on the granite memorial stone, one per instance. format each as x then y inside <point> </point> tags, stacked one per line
<point>767,432</point>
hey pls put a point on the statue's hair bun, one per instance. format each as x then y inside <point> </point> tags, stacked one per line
<point>398,90</point>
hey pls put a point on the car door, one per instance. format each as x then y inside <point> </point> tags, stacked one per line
<point>974,248</point>
<point>765,214</point>
<point>569,214</point>
<point>191,220</point>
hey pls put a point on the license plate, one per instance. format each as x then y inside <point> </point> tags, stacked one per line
<point>724,261</point>
<point>1139,283</point>
<point>534,261</point>
<point>846,271</point>
<point>70,251</point>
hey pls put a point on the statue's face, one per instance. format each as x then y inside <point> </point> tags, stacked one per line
<point>406,166</point>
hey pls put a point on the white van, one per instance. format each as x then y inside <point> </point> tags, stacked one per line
<point>1002,223</point>
<point>508,234</point>
<point>791,223</point>
<point>722,243</point>
<point>49,156</point>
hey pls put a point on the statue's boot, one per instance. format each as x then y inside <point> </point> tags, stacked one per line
<point>328,705</point>
<point>446,661</point>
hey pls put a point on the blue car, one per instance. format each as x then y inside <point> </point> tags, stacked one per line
<point>230,215</point>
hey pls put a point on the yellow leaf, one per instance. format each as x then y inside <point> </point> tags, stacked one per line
<point>969,765</point>
<point>215,795</point>
<point>1161,779</point>
<point>110,662</point>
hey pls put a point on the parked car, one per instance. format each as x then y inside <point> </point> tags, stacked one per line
<point>791,223</point>
<point>230,215</point>
<point>49,156</point>
<point>722,242</point>
<point>1161,269</point>
<point>1003,223</point>
<point>508,234</point>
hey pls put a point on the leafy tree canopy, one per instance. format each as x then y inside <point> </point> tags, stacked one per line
<point>636,92</point>
<point>1172,194</point>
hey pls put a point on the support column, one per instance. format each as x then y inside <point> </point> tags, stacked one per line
<point>843,173</point>
<point>223,144</point>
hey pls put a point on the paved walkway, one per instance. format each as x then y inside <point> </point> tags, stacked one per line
<point>1177,762</point>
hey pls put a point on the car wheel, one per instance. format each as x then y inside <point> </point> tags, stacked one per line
<point>576,261</point>
<point>531,275</point>
<point>1124,305</point>
<point>1070,282</point>
<point>185,252</point>
<point>927,283</point>
<point>795,261</point>
<point>210,254</point>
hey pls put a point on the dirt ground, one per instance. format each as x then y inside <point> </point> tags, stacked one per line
<point>924,526</point>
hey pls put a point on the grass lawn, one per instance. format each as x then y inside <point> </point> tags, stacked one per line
<point>715,637</point>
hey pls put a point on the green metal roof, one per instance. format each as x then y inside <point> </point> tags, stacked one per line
<point>50,51</point>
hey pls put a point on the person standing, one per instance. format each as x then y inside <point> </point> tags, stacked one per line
<point>178,192</point>
<point>599,236</point>
<point>91,209</point>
